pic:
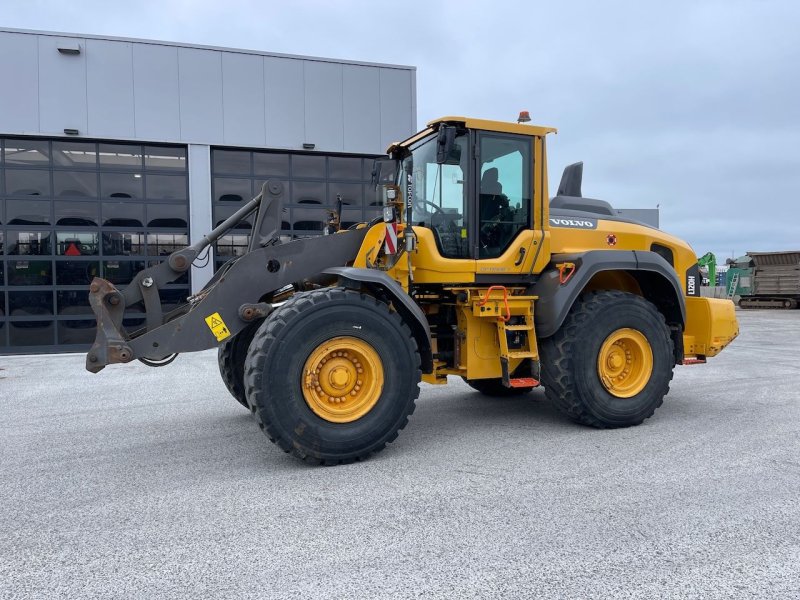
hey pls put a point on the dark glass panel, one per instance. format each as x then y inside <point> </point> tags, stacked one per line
<point>174,216</point>
<point>28,212</point>
<point>232,245</point>
<point>121,272</point>
<point>74,155</point>
<point>308,166</point>
<point>76,214</point>
<point>173,298</point>
<point>2,305</point>
<point>171,159</point>
<point>27,152</point>
<point>366,172</point>
<point>27,182</point>
<point>166,187</point>
<point>352,193</point>
<point>2,249</point>
<point>73,302</point>
<point>232,190</point>
<point>71,184</point>
<point>308,193</point>
<point>30,272</point>
<point>76,332</point>
<point>164,244</point>
<point>121,185</point>
<point>31,333</point>
<point>76,243</point>
<point>120,156</point>
<point>76,272</point>
<point>231,161</point>
<point>340,167</point>
<point>122,214</point>
<point>123,243</point>
<point>309,219</point>
<point>271,164</point>
<point>29,243</point>
<point>30,304</point>
<point>351,216</point>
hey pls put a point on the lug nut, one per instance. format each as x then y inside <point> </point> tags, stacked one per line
<point>147,282</point>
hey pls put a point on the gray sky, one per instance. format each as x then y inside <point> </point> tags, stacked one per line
<point>690,105</point>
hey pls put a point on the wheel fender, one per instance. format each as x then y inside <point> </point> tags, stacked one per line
<point>556,299</point>
<point>412,314</point>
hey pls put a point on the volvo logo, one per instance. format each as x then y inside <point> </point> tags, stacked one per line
<point>573,223</point>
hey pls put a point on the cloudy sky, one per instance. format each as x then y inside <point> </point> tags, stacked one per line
<point>692,106</point>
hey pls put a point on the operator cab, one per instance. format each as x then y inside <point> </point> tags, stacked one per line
<point>475,202</point>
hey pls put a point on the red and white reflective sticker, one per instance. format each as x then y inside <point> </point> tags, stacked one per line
<point>391,238</point>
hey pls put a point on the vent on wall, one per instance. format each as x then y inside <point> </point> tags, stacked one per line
<point>69,48</point>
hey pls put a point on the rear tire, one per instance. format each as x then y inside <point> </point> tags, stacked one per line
<point>307,350</point>
<point>495,387</point>
<point>605,334</point>
<point>231,357</point>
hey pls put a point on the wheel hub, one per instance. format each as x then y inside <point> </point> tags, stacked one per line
<point>625,362</point>
<point>342,379</point>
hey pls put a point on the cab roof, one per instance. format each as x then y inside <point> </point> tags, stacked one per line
<point>470,123</point>
<point>501,126</point>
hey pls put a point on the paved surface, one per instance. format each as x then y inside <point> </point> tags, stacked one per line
<point>153,483</point>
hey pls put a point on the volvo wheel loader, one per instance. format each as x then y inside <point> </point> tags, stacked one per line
<point>471,272</point>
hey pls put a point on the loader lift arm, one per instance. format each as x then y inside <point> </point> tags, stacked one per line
<point>267,267</point>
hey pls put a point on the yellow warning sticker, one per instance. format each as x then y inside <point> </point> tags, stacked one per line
<point>217,326</point>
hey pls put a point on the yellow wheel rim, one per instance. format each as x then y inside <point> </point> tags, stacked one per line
<point>625,363</point>
<point>342,379</point>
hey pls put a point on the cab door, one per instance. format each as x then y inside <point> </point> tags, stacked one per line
<point>505,241</point>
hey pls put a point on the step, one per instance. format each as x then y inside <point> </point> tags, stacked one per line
<point>522,354</point>
<point>523,382</point>
<point>518,328</point>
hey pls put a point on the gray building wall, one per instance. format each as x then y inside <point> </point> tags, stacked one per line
<point>164,92</point>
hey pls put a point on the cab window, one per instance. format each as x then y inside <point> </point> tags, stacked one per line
<point>439,196</point>
<point>504,202</point>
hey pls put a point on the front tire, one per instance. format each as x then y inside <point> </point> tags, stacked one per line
<point>332,376</point>
<point>231,357</point>
<point>610,363</point>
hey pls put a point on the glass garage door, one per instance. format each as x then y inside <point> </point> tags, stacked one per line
<point>72,210</point>
<point>311,183</point>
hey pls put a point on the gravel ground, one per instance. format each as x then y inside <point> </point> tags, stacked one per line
<point>154,483</point>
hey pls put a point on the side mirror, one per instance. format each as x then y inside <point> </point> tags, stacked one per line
<point>447,151</point>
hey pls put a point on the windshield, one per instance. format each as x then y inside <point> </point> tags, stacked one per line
<point>439,198</point>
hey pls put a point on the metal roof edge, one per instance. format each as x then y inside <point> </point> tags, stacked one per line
<point>113,38</point>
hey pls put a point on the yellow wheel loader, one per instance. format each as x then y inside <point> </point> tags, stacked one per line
<point>472,271</point>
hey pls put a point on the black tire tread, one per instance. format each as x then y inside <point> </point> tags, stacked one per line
<point>225,361</point>
<point>557,352</point>
<point>266,336</point>
<point>227,355</point>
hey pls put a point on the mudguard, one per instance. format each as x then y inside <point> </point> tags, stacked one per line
<point>556,299</point>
